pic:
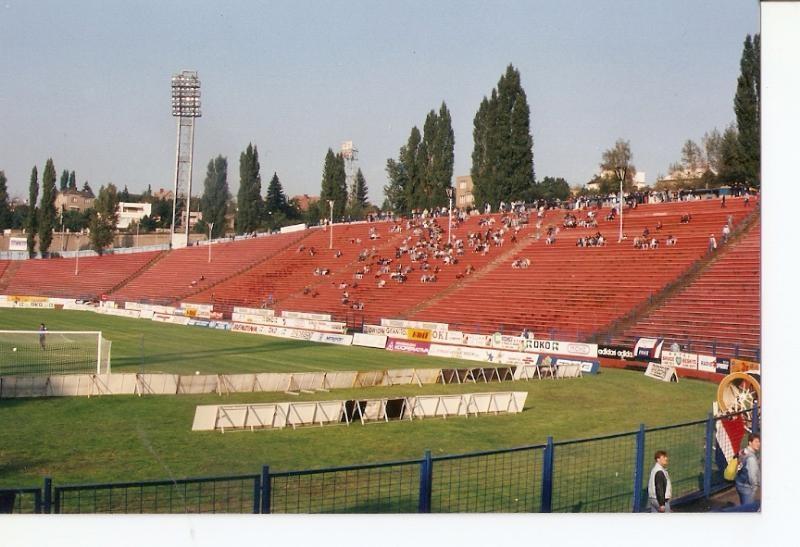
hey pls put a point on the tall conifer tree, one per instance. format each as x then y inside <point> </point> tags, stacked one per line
<point>5,210</point>
<point>214,202</point>
<point>334,186</point>
<point>30,222</point>
<point>276,200</point>
<point>502,157</point>
<point>47,208</point>
<point>746,105</point>
<point>248,199</point>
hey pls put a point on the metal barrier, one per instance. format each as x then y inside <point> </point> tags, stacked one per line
<point>600,474</point>
<point>392,487</point>
<point>238,494</point>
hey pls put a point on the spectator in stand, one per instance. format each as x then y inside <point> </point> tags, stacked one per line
<point>712,243</point>
<point>747,198</point>
<point>659,226</point>
<point>726,232</point>
<point>671,241</point>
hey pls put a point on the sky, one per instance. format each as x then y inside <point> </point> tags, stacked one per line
<point>88,82</point>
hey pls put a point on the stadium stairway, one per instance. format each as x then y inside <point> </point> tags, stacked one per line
<point>717,311</point>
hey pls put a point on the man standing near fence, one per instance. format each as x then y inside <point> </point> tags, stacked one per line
<point>748,478</point>
<point>42,335</point>
<point>659,487</point>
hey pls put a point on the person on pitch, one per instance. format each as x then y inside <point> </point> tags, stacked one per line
<point>42,335</point>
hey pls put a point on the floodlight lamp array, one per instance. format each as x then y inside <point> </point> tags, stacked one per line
<point>186,95</point>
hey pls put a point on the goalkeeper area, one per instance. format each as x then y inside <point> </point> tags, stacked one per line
<point>50,353</point>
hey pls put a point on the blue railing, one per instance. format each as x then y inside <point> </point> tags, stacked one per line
<point>599,474</point>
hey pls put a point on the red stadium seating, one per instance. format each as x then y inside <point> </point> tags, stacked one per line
<point>186,271</point>
<point>97,275</point>
<point>574,291</point>
<point>567,291</point>
<point>719,313</point>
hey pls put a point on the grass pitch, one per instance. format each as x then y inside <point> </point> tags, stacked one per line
<point>125,438</point>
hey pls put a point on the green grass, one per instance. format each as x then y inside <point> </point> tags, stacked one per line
<point>125,438</point>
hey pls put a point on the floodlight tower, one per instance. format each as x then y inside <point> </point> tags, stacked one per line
<point>350,156</point>
<point>185,107</point>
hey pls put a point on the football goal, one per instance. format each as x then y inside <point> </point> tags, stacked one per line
<point>37,353</point>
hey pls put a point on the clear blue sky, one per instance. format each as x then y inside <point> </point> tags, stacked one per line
<point>87,83</point>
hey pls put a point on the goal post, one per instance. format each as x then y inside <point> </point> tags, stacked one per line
<point>49,353</point>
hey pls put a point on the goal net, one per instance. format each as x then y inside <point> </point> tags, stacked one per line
<point>35,353</point>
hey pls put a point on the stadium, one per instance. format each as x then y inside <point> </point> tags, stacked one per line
<point>490,343</point>
<point>177,346</point>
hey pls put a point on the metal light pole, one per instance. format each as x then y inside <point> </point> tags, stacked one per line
<point>621,172</point>
<point>185,107</point>
<point>330,202</point>
<point>210,227</point>
<point>449,191</point>
<point>137,232</point>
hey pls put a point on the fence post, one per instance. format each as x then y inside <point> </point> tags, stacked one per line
<point>707,470</point>
<point>266,491</point>
<point>48,496</point>
<point>547,478</point>
<point>756,419</point>
<point>425,480</point>
<point>638,470</point>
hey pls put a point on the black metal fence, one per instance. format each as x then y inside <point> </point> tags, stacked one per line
<point>601,474</point>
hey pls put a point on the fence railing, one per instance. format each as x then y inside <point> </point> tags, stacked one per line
<point>602,474</point>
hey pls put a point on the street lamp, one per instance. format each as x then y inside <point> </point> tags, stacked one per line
<point>449,191</point>
<point>621,171</point>
<point>210,227</point>
<point>330,202</point>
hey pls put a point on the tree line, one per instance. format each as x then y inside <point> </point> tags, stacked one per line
<point>419,178</point>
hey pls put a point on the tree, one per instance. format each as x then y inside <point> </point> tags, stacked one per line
<point>125,196</point>
<point>712,142</point>
<point>248,214</point>
<point>731,167</point>
<point>692,156</point>
<point>276,200</point>
<point>334,186</point>
<point>551,188</point>
<point>435,160</point>
<point>64,182</point>
<point>395,190</point>
<point>30,222</point>
<point>358,196</point>
<point>214,202</point>
<point>104,219</point>
<point>72,185</point>
<point>619,157</point>
<point>86,188</point>
<point>147,224</point>
<point>747,106</point>
<point>77,221</point>
<point>5,210</point>
<point>502,156</point>
<point>47,208</point>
